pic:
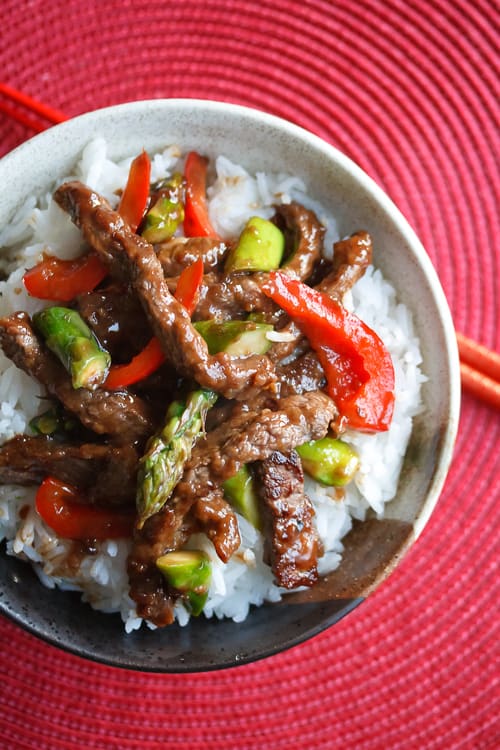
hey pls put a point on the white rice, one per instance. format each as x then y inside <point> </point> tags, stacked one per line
<point>41,226</point>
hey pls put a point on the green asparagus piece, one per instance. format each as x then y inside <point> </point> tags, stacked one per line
<point>240,492</point>
<point>240,338</point>
<point>53,422</point>
<point>162,465</point>
<point>188,572</point>
<point>260,247</point>
<point>330,461</point>
<point>167,212</point>
<point>69,337</point>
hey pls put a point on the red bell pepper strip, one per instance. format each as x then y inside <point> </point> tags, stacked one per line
<point>62,280</point>
<point>196,221</point>
<point>139,367</point>
<point>135,196</point>
<point>188,285</point>
<point>358,367</point>
<point>58,505</point>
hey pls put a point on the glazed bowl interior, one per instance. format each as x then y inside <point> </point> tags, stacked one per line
<point>261,143</point>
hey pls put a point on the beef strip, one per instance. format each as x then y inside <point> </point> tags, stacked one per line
<point>179,252</point>
<point>105,474</point>
<point>218,413</point>
<point>119,414</point>
<point>291,541</point>
<point>351,258</point>
<point>147,587</point>
<point>216,519</point>
<point>232,296</point>
<point>217,299</point>
<point>107,233</point>
<point>305,238</point>
<point>118,320</point>
<point>247,436</point>
<point>252,434</point>
<point>303,375</point>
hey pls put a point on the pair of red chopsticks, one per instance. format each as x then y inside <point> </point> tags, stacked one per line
<point>479,366</point>
<point>479,370</point>
<point>21,107</point>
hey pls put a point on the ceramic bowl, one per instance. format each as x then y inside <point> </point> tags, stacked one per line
<point>260,142</point>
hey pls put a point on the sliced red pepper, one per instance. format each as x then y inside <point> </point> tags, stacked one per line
<point>62,280</point>
<point>188,285</point>
<point>196,221</point>
<point>135,197</point>
<point>358,367</point>
<point>59,504</point>
<point>139,367</point>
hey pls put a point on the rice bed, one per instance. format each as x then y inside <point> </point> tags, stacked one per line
<point>40,226</point>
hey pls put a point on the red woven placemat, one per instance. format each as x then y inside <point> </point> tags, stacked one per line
<point>407,89</point>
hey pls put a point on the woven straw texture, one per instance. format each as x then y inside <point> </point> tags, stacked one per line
<point>407,89</point>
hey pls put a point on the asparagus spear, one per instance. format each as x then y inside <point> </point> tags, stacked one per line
<point>240,338</point>
<point>329,461</point>
<point>69,337</point>
<point>162,465</point>
<point>189,573</point>
<point>260,247</point>
<point>167,212</point>
<point>240,492</point>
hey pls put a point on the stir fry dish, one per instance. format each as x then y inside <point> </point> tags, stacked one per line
<point>191,380</point>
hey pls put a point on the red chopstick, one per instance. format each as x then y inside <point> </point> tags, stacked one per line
<point>21,117</point>
<point>479,370</point>
<point>48,115</point>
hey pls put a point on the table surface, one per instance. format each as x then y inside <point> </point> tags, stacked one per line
<point>407,89</point>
